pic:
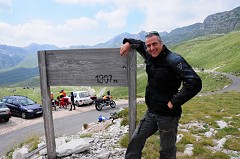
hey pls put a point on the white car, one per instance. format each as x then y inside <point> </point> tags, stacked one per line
<point>82,98</point>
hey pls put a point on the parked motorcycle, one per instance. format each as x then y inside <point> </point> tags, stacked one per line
<point>104,102</point>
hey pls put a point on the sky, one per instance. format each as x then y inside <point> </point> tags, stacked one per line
<point>67,23</point>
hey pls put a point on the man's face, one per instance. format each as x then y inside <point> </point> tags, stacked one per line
<point>154,46</point>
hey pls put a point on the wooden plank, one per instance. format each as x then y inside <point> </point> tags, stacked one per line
<point>47,108</point>
<point>86,67</point>
<point>132,89</point>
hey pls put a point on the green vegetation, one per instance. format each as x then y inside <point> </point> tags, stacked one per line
<point>85,135</point>
<point>31,143</point>
<point>220,52</point>
<point>205,110</point>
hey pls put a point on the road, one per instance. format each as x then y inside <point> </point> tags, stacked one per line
<point>235,86</point>
<point>68,125</point>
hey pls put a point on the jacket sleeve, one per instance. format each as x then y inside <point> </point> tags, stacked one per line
<point>192,83</point>
<point>138,45</point>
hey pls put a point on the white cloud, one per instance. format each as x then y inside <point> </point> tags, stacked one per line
<point>115,18</point>
<point>5,6</point>
<point>82,23</point>
<point>81,1</point>
<point>171,14</point>
<point>45,32</point>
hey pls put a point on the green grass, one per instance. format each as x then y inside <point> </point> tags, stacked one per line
<point>209,52</point>
<point>205,110</point>
<point>32,144</point>
<point>86,135</point>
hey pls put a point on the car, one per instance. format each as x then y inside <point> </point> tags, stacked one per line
<point>5,112</point>
<point>82,98</point>
<point>22,106</point>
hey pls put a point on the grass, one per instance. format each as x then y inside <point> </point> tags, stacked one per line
<point>210,52</point>
<point>204,110</point>
<point>86,135</point>
<point>32,144</point>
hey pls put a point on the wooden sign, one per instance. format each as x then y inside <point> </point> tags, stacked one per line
<point>86,67</point>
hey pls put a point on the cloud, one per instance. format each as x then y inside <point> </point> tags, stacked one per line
<point>115,18</point>
<point>91,2</point>
<point>5,6</point>
<point>171,14</point>
<point>46,32</point>
<point>82,23</point>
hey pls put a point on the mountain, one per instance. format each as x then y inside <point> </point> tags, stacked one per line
<point>223,22</point>
<point>218,23</point>
<point>34,48</point>
<point>12,57</point>
<point>17,75</point>
<point>15,57</point>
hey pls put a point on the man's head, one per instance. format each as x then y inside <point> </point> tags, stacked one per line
<point>153,43</point>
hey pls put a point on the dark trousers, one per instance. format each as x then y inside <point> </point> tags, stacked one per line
<point>72,104</point>
<point>150,123</point>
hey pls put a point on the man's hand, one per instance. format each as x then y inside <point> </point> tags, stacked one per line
<point>124,49</point>
<point>170,105</point>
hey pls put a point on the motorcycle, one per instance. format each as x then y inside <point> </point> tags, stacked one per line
<point>104,102</point>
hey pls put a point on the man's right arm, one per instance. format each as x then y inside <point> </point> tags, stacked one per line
<point>134,44</point>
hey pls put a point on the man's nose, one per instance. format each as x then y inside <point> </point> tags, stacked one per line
<point>152,47</point>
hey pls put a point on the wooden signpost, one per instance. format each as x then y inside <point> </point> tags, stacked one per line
<point>84,67</point>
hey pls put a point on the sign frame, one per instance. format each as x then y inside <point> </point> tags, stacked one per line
<point>85,67</point>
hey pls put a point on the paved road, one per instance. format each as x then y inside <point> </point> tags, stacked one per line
<point>62,126</point>
<point>235,86</point>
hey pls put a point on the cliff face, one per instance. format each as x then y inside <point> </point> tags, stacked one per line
<point>223,22</point>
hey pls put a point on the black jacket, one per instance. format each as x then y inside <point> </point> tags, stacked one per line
<point>166,73</point>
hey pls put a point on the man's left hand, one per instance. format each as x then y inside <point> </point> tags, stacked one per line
<point>170,105</point>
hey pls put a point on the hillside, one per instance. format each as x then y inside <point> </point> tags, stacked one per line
<point>213,51</point>
<point>10,56</point>
<point>17,75</point>
<point>218,51</point>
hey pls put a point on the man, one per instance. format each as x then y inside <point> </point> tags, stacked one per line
<point>166,71</point>
<point>72,102</point>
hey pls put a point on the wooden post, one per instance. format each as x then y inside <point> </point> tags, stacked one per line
<point>132,75</point>
<point>47,108</point>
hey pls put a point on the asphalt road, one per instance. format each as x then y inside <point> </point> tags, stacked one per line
<point>235,86</point>
<point>68,125</point>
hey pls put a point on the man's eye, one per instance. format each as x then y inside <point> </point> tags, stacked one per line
<point>148,46</point>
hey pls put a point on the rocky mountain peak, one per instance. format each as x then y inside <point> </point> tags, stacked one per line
<point>223,22</point>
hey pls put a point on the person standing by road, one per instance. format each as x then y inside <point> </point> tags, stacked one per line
<point>166,71</point>
<point>72,102</point>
